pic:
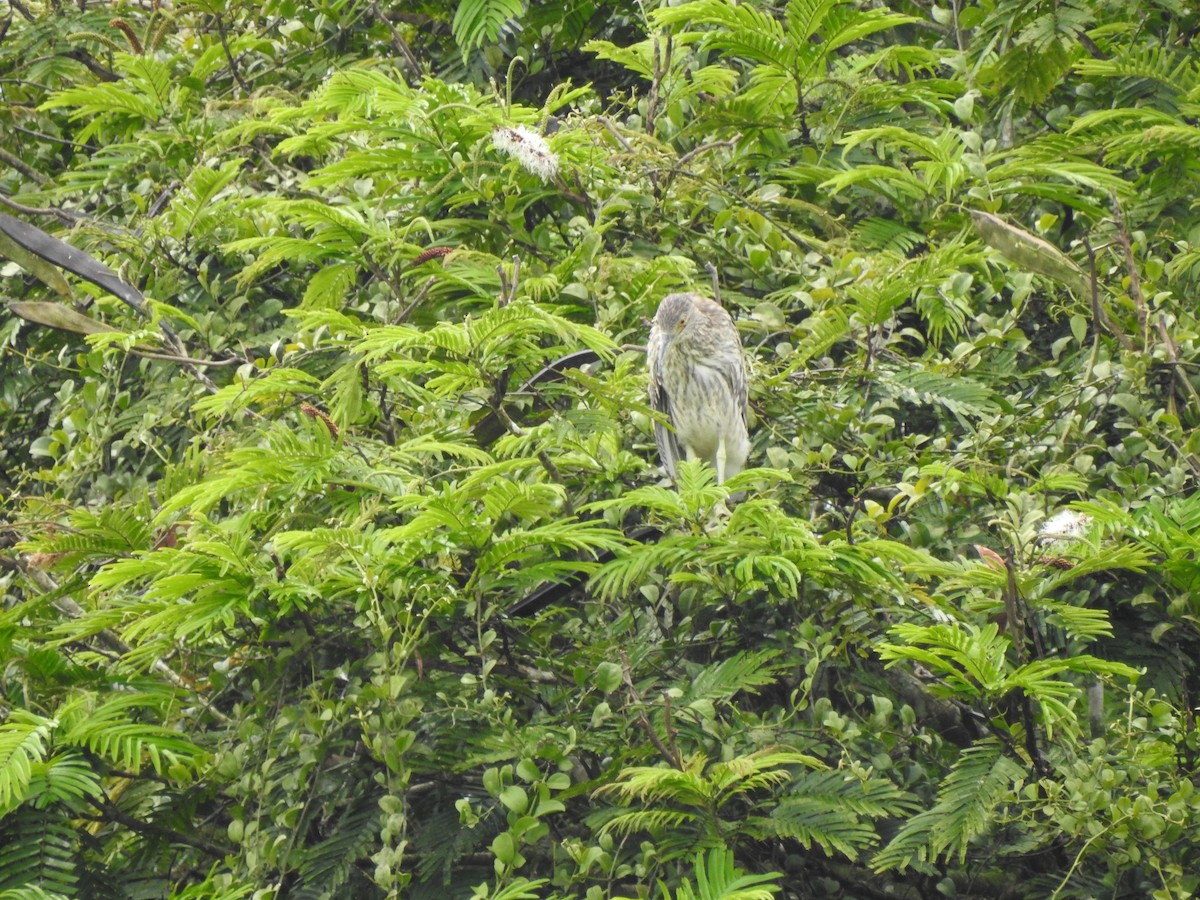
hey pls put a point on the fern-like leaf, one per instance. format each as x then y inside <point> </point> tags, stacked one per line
<point>24,739</point>
<point>478,22</point>
<point>718,878</point>
<point>39,854</point>
<point>744,671</point>
<point>325,866</point>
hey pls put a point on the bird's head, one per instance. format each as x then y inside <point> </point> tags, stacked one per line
<point>676,312</point>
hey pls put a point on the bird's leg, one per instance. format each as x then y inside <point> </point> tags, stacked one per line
<point>720,511</point>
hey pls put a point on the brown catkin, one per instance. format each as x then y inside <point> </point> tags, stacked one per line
<point>124,27</point>
<point>431,253</point>
<point>312,412</point>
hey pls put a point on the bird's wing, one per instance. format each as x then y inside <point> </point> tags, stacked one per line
<point>669,450</point>
<point>734,373</point>
<point>740,390</point>
<point>738,387</point>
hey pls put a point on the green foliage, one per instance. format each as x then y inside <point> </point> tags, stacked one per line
<point>339,565</point>
<point>972,662</point>
<point>717,878</point>
<point>38,856</point>
<point>967,807</point>
<point>477,22</point>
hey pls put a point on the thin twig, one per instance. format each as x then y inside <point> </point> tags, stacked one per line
<point>65,216</point>
<point>416,301</point>
<point>662,64</point>
<point>501,300</point>
<point>233,66</point>
<point>21,166</point>
<point>716,281</point>
<point>188,360</point>
<point>1100,315</point>
<point>397,40</point>
<point>670,757</point>
<point>668,727</point>
<point>556,477</point>
<point>114,813</point>
<point>48,137</point>
<point>1142,309</point>
<point>704,148</point>
<point>161,201</point>
<point>508,287</point>
<point>502,414</point>
<point>612,129</point>
<point>1135,279</point>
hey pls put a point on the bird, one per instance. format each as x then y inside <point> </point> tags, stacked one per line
<point>698,380</point>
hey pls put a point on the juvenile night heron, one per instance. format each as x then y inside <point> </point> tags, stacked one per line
<point>698,379</point>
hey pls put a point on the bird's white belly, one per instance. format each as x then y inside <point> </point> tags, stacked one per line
<point>698,426</point>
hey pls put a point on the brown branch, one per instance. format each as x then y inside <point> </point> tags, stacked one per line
<point>1100,316</point>
<point>670,757</point>
<point>662,65</point>
<point>161,201</point>
<point>416,301</point>
<point>233,66</point>
<point>508,289</point>
<point>507,420</point>
<point>1016,629</point>
<point>188,360</point>
<point>48,137</point>
<point>1135,279</point>
<point>1016,622</point>
<point>1142,309</point>
<point>613,131</point>
<point>704,148</point>
<point>556,477</point>
<point>114,813</point>
<point>21,166</point>
<point>397,40</point>
<point>953,720</point>
<point>668,727</point>
<point>65,216</point>
<point>20,7</point>
<point>1091,47</point>
<point>92,64</point>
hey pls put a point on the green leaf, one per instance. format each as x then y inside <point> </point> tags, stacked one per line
<point>515,798</point>
<point>505,848</point>
<point>608,677</point>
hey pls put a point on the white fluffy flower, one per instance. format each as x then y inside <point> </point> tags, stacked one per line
<point>528,148</point>
<point>1064,525</point>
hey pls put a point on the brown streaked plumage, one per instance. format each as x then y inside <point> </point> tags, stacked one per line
<point>698,380</point>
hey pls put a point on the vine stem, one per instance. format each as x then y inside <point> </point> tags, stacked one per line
<point>1082,850</point>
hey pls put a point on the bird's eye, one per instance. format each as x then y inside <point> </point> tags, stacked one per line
<point>680,323</point>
